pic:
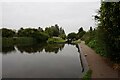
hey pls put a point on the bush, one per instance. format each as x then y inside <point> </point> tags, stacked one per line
<point>97,46</point>
<point>92,43</point>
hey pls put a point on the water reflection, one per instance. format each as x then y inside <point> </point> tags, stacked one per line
<point>7,49</point>
<point>33,48</point>
<point>64,62</point>
<point>54,48</point>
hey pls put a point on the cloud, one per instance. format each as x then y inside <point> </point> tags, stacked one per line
<point>70,15</point>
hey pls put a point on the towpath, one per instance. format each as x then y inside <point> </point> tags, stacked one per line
<point>99,67</point>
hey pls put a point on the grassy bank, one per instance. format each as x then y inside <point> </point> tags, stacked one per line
<point>56,40</point>
<point>76,41</point>
<point>98,47</point>
<point>88,75</point>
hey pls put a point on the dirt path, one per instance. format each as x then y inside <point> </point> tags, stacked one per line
<point>99,67</point>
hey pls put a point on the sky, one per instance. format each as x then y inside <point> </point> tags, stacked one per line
<point>69,15</point>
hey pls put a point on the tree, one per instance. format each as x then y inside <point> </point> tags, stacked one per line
<point>28,32</point>
<point>57,27</point>
<point>49,31</point>
<point>40,36</point>
<point>109,28</point>
<point>7,32</point>
<point>91,29</point>
<point>54,31</point>
<point>80,33</point>
<point>20,32</point>
<point>63,36</point>
<point>61,31</point>
<point>40,29</point>
<point>80,30</point>
<point>72,36</point>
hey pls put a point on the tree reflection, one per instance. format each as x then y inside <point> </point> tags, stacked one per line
<point>7,49</point>
<point>33,48</point>
<point>81,61</point>
<point>54,48</point>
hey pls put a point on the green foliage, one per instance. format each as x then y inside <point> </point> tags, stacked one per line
<point>63,36</point>
<point>72,36</point>
<point>80,30</point>
<point>61,31</point>
<point>88,36</point>
<point>41,36</point>
<point>105,40</point>
<point>55,31</point>
<point>7,32</point>
<point>98,47</point>
<point>80,33</point>
<point>49,31</point>
<point>88,75</point>
<point>76,41</point>
<point>28,32</point>
<point>91,38</point>
<point>92,43</point>
<point>109,28</point>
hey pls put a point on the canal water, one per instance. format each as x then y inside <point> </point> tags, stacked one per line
<point>41,61</point>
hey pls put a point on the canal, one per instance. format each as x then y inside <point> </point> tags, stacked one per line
<point>42,61</point>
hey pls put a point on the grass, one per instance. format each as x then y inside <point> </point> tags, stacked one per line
<point>88,75</point>
<point>76,42</point>
<point>56,40</point>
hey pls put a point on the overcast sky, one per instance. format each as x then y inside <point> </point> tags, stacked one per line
<point>69,15</point>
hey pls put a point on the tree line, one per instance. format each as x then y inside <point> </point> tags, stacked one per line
<point>105,39</point>
<point>43,35</point>
<point>39,34</point>
<point>109,28</point>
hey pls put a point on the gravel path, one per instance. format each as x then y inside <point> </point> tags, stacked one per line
<point>99,67</point>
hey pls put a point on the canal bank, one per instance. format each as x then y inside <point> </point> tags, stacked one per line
<point>96,63</point>
<point>83,61</point>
